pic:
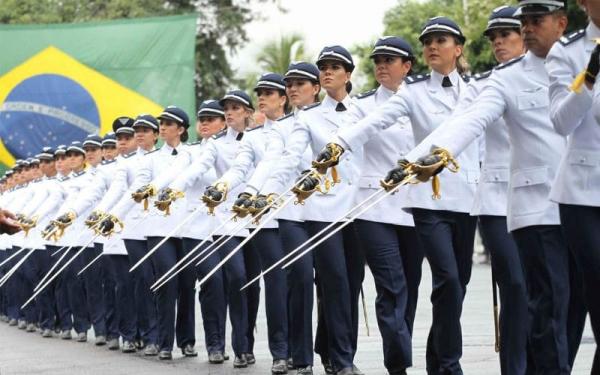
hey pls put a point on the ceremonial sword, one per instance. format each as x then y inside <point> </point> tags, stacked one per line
<point>15,267</point>
<point>12,256</point>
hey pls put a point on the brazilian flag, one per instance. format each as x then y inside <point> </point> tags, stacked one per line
<point>60,82</point>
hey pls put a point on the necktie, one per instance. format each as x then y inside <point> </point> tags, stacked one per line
<point>446,82</point>
<point>340,107</point>
<point>174,152</point>
<point>239,136</point>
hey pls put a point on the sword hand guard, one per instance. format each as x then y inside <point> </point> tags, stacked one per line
<point>27,223</point>
<point>262,204</point>
<point>94,218</point>
<point>241,206</point>
<point>328,157</point>
<point>143,194</point>
<point>214,195</point>
<point>433,164</point>
<point>108,226</point>
<point>307,184</point>
<point>164,199</point>
<point>50,232</point>
<point>397,176</point>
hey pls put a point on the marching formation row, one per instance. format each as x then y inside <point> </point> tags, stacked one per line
<point>113,233</point>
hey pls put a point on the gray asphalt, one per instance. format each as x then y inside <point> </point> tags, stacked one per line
<point>29,353</point>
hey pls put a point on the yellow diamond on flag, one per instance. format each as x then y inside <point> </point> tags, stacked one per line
<point>51,98</point>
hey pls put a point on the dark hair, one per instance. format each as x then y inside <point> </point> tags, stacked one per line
<point>184,136</point>
<point>348,87</point>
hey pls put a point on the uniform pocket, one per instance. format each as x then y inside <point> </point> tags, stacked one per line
<point>491,175</point>
<point>530,190</point>
<point>584,168</point>
<point>538,98</point>
<point>369,182</point>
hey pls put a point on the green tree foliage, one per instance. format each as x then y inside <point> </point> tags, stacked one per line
<point>220,27</point>
<point>408,16</point>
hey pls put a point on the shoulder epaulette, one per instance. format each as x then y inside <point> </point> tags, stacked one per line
<point>483,75</point>
<point>253,129</point>
<point>65,178</point>
<point>219,134</point>
<point>311,106</point>
<point>106,162</point>
<point>509,62</point>
<point>195,143</point>
<point>416,78</point>
<point>149,152</point>
<point>129,155</point>
<point>366,94</point>
<point>565,40</point>
<point>79,174</point>
<point>291,114</point>
<point>51,178</point>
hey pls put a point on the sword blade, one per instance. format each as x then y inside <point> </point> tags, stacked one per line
<point>211,246</point>
<point>297,249</point>
<point>339,228</point>
<point>165,239</point>
<point>191,252</point>
<point>40,289</point>
<point>90,264</point>
<point>15,267</point>
<point>47,275</point>
<point>254,233</point>
<point>58,251</point>
<point>12,256</point>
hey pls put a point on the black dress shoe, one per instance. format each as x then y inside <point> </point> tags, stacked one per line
<point>328,367</point>
<point>346,371</point>
<point>216,358</point>
<point>189,351</point>
<point>250,358</point>
<point>240,362</point>
<point>356,371</point>
<point>139,344</point>
<point>305,370</point>
<point>165,355</point>
<point>398,372</point>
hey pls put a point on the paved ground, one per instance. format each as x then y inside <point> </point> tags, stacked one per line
<point>27,353</point>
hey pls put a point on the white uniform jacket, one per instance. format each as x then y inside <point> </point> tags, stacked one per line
<point>203,224</point>
<point>261,180</point>
<point>517,90</point>
<point>251,152</point>
<point>578,178</point>
<point>158,168</point>
<point>315,126</point>
<point>380,155</point>
<point>77,234</point>
<point>427,104</point>
<point>218,154</point>
<point>491,194</point>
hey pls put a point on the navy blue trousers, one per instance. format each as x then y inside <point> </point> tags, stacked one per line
<point>395,258</point>
<point>212,297</point>
<point>76,291</point>
<point>555,298</point>
<point>36,267</point>
<point>178,292</point>
<point>267,246</point>
<point>118,271</point>
<point>253,267</point>
<point>28,277</point>
<point>64,316</point>
<point>145,300</point>
<point>509,274</point>
<point>581,226</point>
<point>235,276</point>
<point>300,281</point>
<point>447,239</point>
<point>93,284</point>
<point>110,300</point>
<point>14,287</point>
<point>340,265</point>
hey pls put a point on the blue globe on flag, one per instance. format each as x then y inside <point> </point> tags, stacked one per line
<point>46,110</point>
